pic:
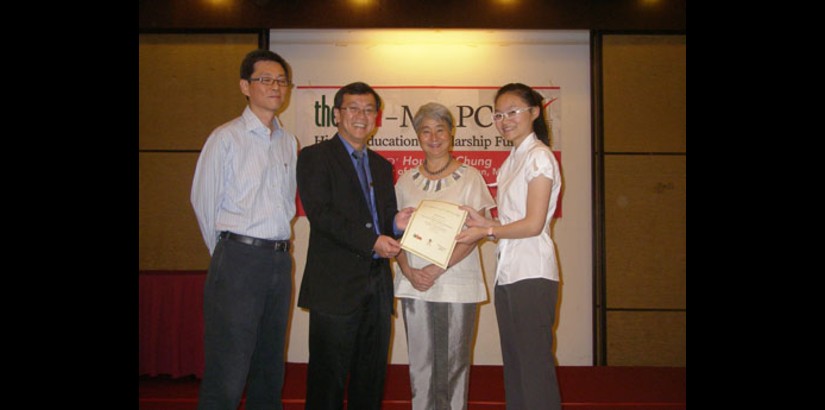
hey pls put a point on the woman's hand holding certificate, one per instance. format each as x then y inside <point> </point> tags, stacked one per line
<point>432,229</point>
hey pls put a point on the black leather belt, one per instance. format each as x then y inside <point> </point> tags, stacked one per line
<point>279,246</point>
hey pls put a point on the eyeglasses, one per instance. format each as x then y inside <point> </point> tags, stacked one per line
<point>353,111</point>
<point>509,114</point>
<point>267,81</point>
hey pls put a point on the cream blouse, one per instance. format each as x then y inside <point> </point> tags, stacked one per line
<point>463,282</point>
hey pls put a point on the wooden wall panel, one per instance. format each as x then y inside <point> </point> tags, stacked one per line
<point>646,338</point>
<point>169,235</point>
<point>644,93</point>
<point>645,231</point>
<point>189,84</point>
<point>645,188</point>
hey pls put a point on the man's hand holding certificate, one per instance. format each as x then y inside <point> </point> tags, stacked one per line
<point>431,231</point>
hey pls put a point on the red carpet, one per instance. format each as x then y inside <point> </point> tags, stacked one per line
<point>582,388</point>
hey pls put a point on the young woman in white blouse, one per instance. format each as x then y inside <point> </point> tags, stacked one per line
<point>440,306</point>
<point>527,276</point>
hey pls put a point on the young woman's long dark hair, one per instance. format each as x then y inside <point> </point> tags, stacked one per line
<point>533,99</point>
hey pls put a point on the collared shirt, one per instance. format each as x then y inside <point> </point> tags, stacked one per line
<point>535,256</point>
<point>350,150</point>
<point>245,180</point>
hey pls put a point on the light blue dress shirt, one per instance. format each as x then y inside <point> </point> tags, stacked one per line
<point>245,180</point>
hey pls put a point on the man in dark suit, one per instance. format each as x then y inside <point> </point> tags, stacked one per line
<point>347,285</point>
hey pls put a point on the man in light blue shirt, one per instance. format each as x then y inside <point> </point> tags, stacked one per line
<point>243,194</point>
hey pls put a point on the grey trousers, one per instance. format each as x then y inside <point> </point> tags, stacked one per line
<point>245,313</point>
<point>526,311</point>
<point>439,346</point>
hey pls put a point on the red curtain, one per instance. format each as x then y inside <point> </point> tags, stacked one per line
<point>170,323</point>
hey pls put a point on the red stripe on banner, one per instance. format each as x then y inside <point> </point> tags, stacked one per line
<point>550,102</point>
<point>487,163</point>
<point>299,207</point>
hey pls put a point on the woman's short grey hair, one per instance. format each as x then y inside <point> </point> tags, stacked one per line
<point>433,111</point>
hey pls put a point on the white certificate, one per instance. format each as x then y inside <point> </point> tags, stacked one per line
<point>431,231</point>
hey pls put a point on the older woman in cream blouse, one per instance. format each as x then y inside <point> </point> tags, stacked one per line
<point>440,306</point>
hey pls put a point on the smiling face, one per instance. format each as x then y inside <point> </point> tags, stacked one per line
<point>265,98</point>
<point>435,138</point>
<point>356,118</point>
<point>518,126</point>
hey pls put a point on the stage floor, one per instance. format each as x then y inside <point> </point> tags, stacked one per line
<point>582,388</point>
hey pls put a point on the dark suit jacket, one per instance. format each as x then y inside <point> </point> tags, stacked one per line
<point>341,235</point>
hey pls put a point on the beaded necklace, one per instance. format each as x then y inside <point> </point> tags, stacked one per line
<point>426,168</point>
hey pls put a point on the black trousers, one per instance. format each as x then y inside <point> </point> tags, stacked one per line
<point>245,310</point>
<point>354,345</point>
<point>526,312</point>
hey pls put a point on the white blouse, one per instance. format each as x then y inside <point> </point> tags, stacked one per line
<point>533,257</point>
<point>464,281</point>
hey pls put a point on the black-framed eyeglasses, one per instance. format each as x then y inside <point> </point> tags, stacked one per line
<point>509,114</point>
<point>268,81</point>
